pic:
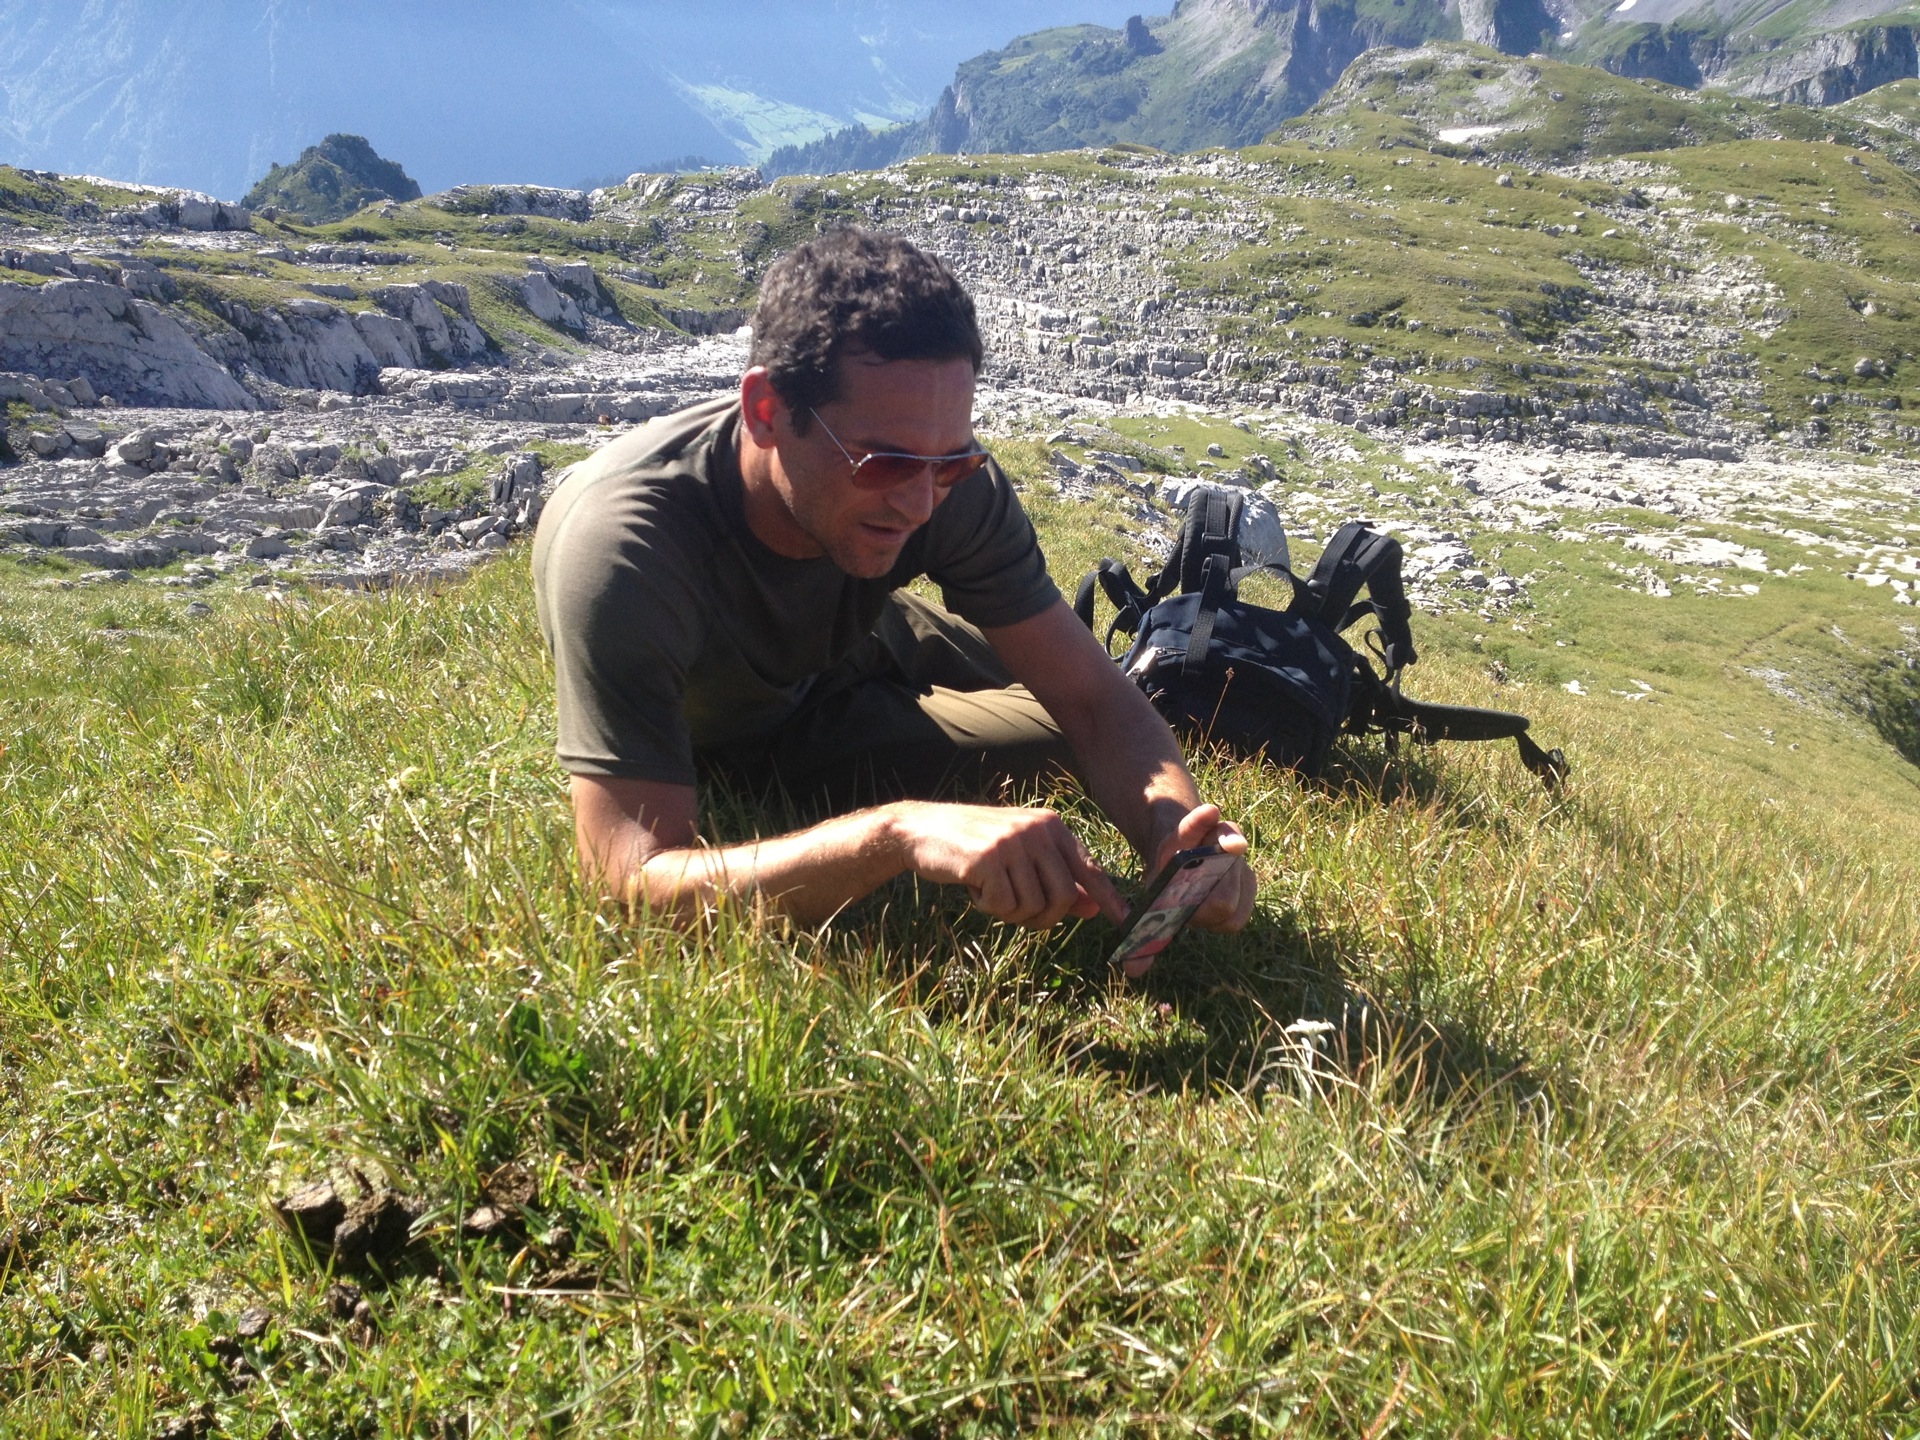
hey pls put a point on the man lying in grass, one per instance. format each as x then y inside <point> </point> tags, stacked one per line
<point>721,591</point>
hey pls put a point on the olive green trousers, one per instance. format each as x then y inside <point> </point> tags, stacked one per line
<point>922,708</point>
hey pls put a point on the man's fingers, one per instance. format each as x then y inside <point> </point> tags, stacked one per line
<point>1229,905</point>
<point>1199,827</point>
<point>992,893</point>
<point>1024,867</point>
<point>1061,891</point>
<point>1029,888</point>
<point>1094,883</point>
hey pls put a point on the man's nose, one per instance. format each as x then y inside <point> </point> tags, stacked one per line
<point>914,499</point>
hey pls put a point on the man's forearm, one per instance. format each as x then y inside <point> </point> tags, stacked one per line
<point>1131,765</point>
<point>808,875</point>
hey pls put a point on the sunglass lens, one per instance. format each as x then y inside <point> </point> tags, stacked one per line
<point>951,472</point>
<point>884,471</point>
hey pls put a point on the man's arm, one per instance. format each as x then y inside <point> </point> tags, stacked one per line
<point>637,839</point>
<point>1124,752</point>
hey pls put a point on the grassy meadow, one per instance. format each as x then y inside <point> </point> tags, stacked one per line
<point>1512,1113</point>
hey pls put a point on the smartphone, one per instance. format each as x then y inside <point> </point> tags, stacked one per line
<point>1182,887</point>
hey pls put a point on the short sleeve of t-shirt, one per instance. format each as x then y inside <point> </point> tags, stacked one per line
<point>624,621</point>
<point>983,554</point>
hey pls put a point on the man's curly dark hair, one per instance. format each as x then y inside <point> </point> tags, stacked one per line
<point>852,292</point>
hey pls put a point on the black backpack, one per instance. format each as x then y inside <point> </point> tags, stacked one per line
<point>1282,684</point>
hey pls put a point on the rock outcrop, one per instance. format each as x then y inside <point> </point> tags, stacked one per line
<point>440,316</point>
<point>1225,72</point>
<point>179,210</point>
<point>1214,72</point>
<point>540,200</point>
<point>332,180</point>
<point>124,347</point>
<point>1809,55</point>
<point>1837,66</point>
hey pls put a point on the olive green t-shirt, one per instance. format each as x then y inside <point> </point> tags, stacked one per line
<point>674,629</point>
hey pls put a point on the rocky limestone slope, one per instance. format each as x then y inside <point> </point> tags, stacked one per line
<point>1774,49</point>
<point>1214,72</point>
<point>1398,280</point>
<point>1135,305</point>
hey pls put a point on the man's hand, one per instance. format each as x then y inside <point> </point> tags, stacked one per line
<point>1022,866</point>
<point>1230,904</point>
<point>1124,753</point>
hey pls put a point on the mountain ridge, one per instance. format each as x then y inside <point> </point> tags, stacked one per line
<point>1214,72</point>
<point>1226,72</point>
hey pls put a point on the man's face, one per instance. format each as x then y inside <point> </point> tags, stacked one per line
<point>914,407</point>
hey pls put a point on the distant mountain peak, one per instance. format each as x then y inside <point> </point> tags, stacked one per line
<point>331,180</point>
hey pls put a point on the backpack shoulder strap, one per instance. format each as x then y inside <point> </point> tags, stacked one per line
<point>1216,585</point>
<point>1427,722</point>
<point>1357,558</point>
<point>1122,591</point>
<point>1213,517</point>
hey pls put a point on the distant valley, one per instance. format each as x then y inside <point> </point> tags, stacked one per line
<point>207,96</point>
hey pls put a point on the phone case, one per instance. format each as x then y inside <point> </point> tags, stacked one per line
<point>1165,914</point>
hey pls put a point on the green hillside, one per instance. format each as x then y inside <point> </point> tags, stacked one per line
<point>1510,1114</point>
<point>1804,50</point>
<point>1895,107</point>
<point>331,181</point>
<point>1550,112</point>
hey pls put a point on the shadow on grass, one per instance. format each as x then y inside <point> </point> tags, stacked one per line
<point>1274,1007</point>
<point>1407,773</point>
<point>1277,1007</point>
<point>1892,704</point>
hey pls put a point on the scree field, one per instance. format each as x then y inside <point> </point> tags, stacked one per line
<point>1511,1114</point>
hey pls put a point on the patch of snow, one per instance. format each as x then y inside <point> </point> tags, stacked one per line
<point>1465,134</point>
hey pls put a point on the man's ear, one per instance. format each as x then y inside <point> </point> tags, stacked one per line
<point>760,405</point>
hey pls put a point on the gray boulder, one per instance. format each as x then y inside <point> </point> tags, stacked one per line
<point>1262,536</point>
<point>30,388</point>
<point>124,347</point>
<point>541,200</point>
<point>519,478</point>
<point>349,510</point>
<point>515,492</point>
<point>314,347</point>
<point>392,340</point>
<point>134,449</point>
<point>545,302</point>
<point>440,317</point>
<point>87,441</point>
<point>194,211</point>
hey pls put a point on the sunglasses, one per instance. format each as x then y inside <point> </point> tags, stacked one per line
<point>884,469</point>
